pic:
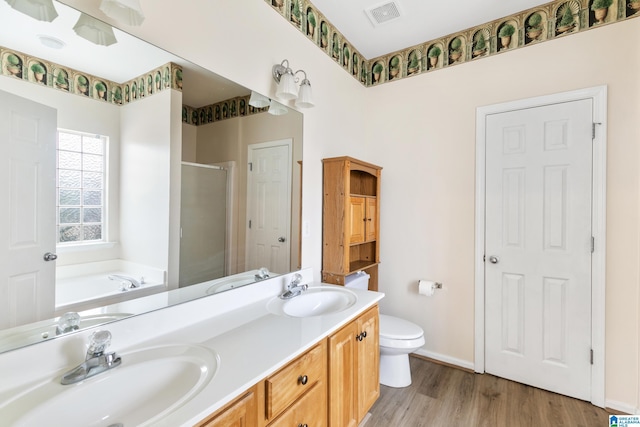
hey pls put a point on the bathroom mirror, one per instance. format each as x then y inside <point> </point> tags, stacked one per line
<point>207,127</point>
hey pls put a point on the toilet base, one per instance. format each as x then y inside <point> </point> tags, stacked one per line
<point>395,370</point>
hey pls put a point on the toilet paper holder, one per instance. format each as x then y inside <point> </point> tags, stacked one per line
<point>437,285</point>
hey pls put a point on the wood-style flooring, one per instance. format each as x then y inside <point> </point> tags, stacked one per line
<point>445,396</point>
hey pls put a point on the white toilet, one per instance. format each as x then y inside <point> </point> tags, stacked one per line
<point>398,338</point>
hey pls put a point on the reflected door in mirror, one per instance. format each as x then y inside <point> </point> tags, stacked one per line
<point>27,144</point>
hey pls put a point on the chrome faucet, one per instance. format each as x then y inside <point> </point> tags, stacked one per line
<point>294,288</point>
<point>96,360</point>
<point>127,282</point>
<point>262,274</point>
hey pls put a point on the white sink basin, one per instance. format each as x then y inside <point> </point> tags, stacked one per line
<point>315,301</point>
<point>149,384</point>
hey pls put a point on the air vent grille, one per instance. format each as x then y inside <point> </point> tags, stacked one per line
<point>383,13</point>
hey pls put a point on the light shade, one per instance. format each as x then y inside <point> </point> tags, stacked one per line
<point>95,31</point>
<point>42,10</point>
<point>287,88</point>
<point>276,108</point>
<point>305,99</point>
<point>258,100</point>
<point>126,12</point>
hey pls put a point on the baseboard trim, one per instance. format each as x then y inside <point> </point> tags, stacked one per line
<point>444,360</point>
<point>620,408</point>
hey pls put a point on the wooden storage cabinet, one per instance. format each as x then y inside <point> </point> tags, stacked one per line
<point>350,219</point>
<point>354,376</point>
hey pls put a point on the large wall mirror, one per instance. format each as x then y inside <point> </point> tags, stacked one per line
<point>131,179</point>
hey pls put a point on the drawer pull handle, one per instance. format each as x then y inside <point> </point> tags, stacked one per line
<point>303,379</point>
<point>302,425</point>
<point>364,334</point>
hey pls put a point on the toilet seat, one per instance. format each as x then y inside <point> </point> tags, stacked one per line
<point>399,333</point>
<point>398,329</point>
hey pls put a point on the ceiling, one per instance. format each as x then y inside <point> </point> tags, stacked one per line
<point>419,21</point>
<point>119,62</point>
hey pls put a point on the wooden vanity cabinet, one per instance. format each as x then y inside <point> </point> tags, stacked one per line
<point>240,413</point>
<point>350,219</point>
<point>298,389</point>
<point>354,376</point>
<point>332,384</point>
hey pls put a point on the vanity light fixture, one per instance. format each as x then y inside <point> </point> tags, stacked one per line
<point>95,31</point>
<point>258,100</point>
<point>126,12</point>
<point>287,85</point>
<point>42,10</point>
<point>277,109</point>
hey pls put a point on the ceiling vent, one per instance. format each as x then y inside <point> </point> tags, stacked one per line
<point>383,13</point>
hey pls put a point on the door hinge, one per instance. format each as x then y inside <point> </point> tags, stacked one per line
<point>484,258</point>
<point>250,167</point>
<point>593,244</point>
<point>249,223</point>
<point>591,356</point>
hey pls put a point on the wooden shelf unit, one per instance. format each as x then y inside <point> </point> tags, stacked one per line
<point>350,219</point>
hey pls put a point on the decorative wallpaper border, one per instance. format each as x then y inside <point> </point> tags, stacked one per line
<point>552,20</point>
<point>51,75</point>
<point>223,110</point>
<point>35,70</point>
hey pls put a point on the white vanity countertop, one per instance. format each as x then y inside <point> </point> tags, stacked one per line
<point>253,343</point>
<point>250,341</point>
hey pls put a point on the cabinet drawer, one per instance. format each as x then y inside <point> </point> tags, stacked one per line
<point>310,410</point>
<point>284,387</point>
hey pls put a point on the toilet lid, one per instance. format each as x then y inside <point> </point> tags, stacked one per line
<point>396,328</point>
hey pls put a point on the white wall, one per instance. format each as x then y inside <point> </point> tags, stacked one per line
<point>82,114</point>
<point>421,130</point>
<point>146,161</point>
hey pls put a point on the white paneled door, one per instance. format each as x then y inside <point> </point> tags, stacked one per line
<point>27,174</point>
<point>269,206</point>
<point>538,247</point>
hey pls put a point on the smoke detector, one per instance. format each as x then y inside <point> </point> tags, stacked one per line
<point>383,13</point>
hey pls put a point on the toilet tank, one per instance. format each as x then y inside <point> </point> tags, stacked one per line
<point>359,280</point>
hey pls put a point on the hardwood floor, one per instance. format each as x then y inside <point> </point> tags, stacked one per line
<point>445,396</point>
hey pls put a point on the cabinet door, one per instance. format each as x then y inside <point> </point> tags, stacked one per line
<point>357,219</point>
<point>343,377</point>
<point>368,362</point>
<point>310,410</point>
<point>371,228</point>
<point>242,413</point>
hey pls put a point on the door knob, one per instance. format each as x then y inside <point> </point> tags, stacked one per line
<point>50,256</point>
<point>281,239</point>
<point>494,259</point>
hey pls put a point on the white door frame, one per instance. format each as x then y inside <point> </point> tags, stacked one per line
<point>598,95</point>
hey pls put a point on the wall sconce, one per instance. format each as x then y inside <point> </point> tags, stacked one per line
<point>127,12</point>
<point>95,31</point>
<point>258,100</point>
<point>287,85</point>
<point>42,10</point>
<point>277,109</point>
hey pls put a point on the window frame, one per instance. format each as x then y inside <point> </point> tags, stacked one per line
<point>104,204</point>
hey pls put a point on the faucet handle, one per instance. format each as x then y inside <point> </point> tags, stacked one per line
<point>98,343</point>
<point>297,278</point>
<point>68,322</point>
